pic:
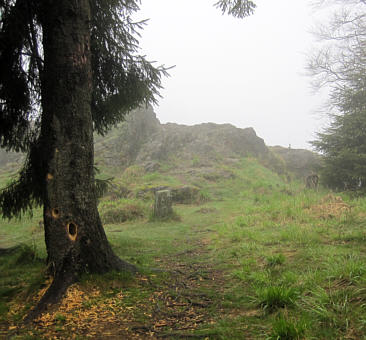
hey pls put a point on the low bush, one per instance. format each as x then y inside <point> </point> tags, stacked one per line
<point>120,214</point>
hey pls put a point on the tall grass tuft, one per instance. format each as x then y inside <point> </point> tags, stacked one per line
<point>284,329</point>
<point>275,260</point>
<point>274,297</point>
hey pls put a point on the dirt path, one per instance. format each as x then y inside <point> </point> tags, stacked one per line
<point>188,298</point>
<point>176,303</point>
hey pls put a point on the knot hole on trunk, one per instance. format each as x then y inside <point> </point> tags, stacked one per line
<point>55,213</point>
<point>72,230</point>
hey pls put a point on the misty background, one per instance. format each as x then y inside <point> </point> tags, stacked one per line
<point>247,72</point>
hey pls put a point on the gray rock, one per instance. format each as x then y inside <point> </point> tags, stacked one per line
<point>184,195</point>
<point>163,204</point>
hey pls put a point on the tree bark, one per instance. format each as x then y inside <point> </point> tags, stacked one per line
<point>75,238</point>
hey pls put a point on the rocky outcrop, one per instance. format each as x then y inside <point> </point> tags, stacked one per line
<point>208,141</point>
<point>122,145</point>
<point>143,140</point>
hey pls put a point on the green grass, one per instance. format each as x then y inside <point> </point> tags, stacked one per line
<point>274,260</point>
<point>286,270</point>
<point>284,329</point>
<point>22,275</point>
<point>271,298</point>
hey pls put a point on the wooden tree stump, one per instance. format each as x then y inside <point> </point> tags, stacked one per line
<point>163,204</point>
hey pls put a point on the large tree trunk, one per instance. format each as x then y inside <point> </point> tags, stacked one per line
<point>75,239</point>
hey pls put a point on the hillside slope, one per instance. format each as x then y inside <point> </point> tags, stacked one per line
<point>143,140</point>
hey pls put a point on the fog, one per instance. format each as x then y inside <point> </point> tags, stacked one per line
<point>248,72</point>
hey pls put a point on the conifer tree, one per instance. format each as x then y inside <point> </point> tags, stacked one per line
<point>340,64</point>
<point>67,69</point>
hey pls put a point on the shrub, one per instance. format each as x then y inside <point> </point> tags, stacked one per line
<point>132,173</point>
<point>118,191</point>
<point>122,214</point>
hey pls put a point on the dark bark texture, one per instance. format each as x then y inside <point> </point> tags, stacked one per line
<point>75,239</point>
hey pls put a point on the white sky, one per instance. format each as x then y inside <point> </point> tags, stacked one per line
<point>248,72</point>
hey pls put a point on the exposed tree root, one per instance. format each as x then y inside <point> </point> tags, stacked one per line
<point>125,266</point>
<point>63,279</point>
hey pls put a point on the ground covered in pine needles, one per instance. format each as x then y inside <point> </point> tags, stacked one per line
<point>175,302</point>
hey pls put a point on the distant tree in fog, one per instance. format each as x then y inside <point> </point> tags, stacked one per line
<point>340,65</point>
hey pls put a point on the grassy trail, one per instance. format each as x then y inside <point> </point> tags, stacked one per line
<point>258,258</point>
<point>178,298</point>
